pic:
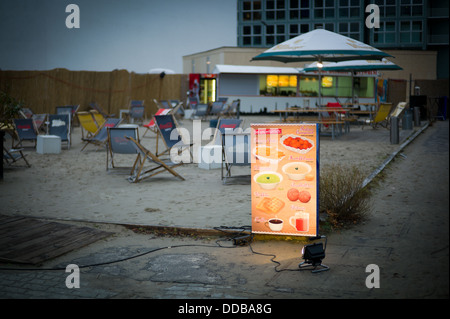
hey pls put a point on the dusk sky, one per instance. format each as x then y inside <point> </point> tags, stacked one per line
<point>136,35</point>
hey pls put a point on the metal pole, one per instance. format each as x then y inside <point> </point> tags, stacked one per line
<point>394,130</point>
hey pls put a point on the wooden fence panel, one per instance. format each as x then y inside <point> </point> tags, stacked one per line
<point>42,91</point>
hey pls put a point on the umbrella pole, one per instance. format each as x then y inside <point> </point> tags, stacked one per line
<point>353,89</point>
<point>319,64</point>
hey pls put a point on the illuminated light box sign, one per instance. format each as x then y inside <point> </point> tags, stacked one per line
<point>285,179</point>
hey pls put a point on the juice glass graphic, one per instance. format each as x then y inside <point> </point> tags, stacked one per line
<point>300,221</point>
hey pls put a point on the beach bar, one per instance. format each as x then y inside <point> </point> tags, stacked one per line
<point>268,89</point>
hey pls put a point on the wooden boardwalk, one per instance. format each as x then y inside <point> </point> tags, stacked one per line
<point>33,241</point>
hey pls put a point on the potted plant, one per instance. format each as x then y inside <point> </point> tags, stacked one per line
<point>9,110</point>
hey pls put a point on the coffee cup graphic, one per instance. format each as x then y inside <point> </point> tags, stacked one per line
<point>275,224</point>
<point>300,221</point>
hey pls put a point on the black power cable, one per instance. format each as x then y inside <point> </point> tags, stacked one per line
<point>240,238</point>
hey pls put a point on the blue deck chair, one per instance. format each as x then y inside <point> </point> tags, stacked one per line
<point>68,109</point>
<point>217,108</point>
<point>137,111</point>
<point>13,155</point>
<point>60,125</point>
<point>25,131</point>
<point>119,144</point>
<point>100,138</point>
<point>171,135</point>
<point>235,152</point>
<point>201,111</point>
<point>222,126</point>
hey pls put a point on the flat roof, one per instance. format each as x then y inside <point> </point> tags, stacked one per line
<point>246,69</point>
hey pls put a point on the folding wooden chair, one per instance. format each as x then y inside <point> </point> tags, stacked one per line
<point>25,131</point>
<point>235,152</point>
<point>101,136</point>
<point>60,125</point>
<point>100,110</point>
<point>38,121</point>
<point>171,135</point>
<point>13,155</point>
<point>381,117</point>
<point>98,117</point>
<point>151,126</point>
<point>88,124</point>
<point>136,111</point>
<point>118,143</point>
<point>139,172</point>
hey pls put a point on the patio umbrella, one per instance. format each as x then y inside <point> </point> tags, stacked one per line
<point>321,45</point>
<point>354,66</point>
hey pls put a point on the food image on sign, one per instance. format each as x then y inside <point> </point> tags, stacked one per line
<point>284,179</point>
<point>297,143</point>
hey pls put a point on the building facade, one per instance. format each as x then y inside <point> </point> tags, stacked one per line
<point>403,24</point>
<point>414,32</point>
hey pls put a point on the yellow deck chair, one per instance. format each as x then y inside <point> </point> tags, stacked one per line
<point>87,123</point>
<point>98,117</point>
<point>381,117</point>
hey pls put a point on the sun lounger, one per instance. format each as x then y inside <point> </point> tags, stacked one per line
<point>118,143</point>
<point>100,110</point>
<point>88,124</point>
<point>25,131</point>
<point>381,116</point>
<point>13,155</point>
<point>26,112</point>
<point>201,111</point>
<point>101,136</point>
<point>222,126</point>
<point>38,121</point>
<point>232,110</point>
<point>171,135</point>
<point>145,158</point>
<point>235,152</point>
<point>98,118</point>
<point>217,109</point>
<point>60,125</point>
<point>68,109</point>
<point>136,111</point>
<point>151,126</point>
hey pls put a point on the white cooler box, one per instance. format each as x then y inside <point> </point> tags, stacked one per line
<point>48,144</point>
<point>210,157</point>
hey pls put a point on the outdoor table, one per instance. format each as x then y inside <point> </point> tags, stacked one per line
<point>318,110</point>
<point>336,128</point>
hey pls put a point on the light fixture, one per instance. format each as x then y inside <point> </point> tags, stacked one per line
<point>319,65</point>
<point>313,254</point>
